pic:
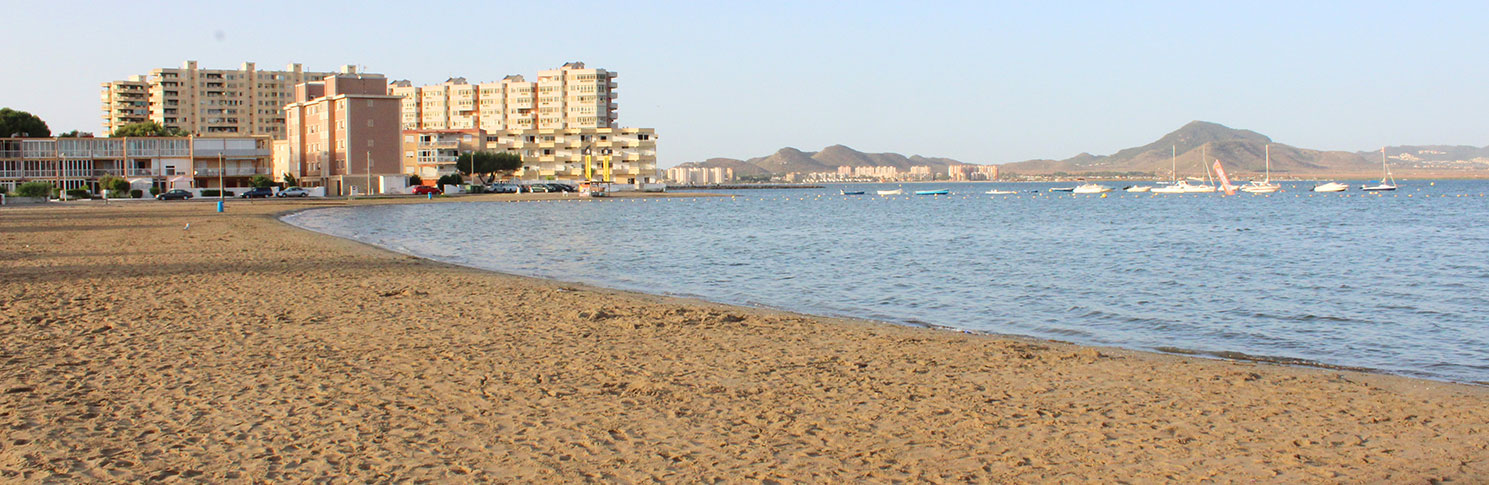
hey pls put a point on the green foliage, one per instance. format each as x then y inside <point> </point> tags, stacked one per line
<point>34,189</point>
<point>154,191</point>
<point>214,193</point>
<point>147,128</point>
<point>113,183</point>
<point>21,123</point>
<point>4,189</point>
<point>260,181</point>
<point>136,193</point>
<point>414,179</point>
<point>486,165</point>
<point>290,180</point>
<point>76,134</point>
<point>79,194</point>
<point>451,179</point>
<point>753,178</point>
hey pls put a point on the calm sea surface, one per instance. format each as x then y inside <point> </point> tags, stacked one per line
<point>1397,283</point>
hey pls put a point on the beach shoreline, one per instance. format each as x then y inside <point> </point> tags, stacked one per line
<point>244,348</point>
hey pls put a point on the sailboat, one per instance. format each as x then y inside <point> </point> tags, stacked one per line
<point>1173,175</point>
<point>1387,182</point>
<point>1183,186</point>
<point>1265,186</point>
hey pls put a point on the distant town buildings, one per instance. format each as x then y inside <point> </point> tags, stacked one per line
<point>243,101</point>
<point>963,173</point>
<point>700,175</point>
<point>160,162</point>
<point>342,132</point>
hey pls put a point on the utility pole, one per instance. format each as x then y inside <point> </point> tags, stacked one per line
<point>221,167</point>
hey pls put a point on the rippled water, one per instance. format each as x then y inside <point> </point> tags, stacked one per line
<point>1397,283</point>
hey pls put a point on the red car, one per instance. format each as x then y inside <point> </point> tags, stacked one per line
<point>425,189</point>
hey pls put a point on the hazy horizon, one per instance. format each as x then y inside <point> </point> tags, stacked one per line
<point>981,83</point>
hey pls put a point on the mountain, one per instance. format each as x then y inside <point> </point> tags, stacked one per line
<point>790,159</point>
<point>1240,151</point>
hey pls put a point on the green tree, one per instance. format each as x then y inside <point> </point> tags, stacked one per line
<point>147,128</point>
<point>290,180</point>
<point>21,123</point>
<point>414,179</point>
<point>115,184</point>
<point>34,189</point>
<point>260,181</point>
<point>76,134</point>
<point>451,179</point>
<point>485,165</point>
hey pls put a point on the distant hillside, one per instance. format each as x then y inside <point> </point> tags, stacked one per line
<point>789,159</point>
<point>1244,152</point>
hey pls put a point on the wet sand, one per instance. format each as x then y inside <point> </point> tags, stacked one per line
<point>243,349</point>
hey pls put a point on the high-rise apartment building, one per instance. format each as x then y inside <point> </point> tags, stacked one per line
<point>244,101</point>
<point>341,132</point>
<point>571,96</point>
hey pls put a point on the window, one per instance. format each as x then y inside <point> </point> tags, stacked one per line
<point>369,122</point>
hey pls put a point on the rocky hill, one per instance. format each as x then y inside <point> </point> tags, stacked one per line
<point>829,159</point>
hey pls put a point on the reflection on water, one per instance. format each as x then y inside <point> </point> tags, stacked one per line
<point>1395,282</point>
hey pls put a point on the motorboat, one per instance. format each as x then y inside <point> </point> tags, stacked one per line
<point>1062,189</point>
<point>1001,192</point>
<point>1137,188</point>
<point>1330,187</point>
<point>932,192</point>
<point>851,192</point>
<point>1265,186</point>
<point>1387,182</point>
<point>891,192</point>
<point>1091,189</point>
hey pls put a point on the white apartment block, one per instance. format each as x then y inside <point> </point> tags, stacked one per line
<point>700,175</point>
<point>162,162</point>
<point>571,96</point>
<point>243,101</point>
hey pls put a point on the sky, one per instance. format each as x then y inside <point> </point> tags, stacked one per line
<point>981,82</point>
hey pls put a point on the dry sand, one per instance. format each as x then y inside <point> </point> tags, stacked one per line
<point>244,349</point>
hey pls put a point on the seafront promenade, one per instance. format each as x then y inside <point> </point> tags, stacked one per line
<point>240,349</point>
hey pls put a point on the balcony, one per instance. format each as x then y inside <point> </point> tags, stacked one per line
<point>231,172</point>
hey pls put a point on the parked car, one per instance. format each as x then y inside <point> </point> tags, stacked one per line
<point>558,187</point>
<point>293,192</point>
<point>174,194</point>
<point>501,188</point>
<point>425,189</point>
<point>535,188</point>
<point>258,193</point>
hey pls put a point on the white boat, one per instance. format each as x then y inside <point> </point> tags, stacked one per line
<point>891,192</point>
<point>1138,188</point>
<point>1265,186</point>
<point>1062,189</point>
<point>1330,187</point>
<point>1182,186</point>
<point>1091,189</point>
<point>1000,192</point>
<point>1387,182</point>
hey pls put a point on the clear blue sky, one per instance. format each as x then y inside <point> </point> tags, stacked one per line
<point>982,82</point>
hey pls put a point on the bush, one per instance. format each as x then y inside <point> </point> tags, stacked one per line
<point>136,194</point>
<point>451,179</point>
<point>261,181</point>
<point>213,193</point>
<point>414,179</point>
<point>79,193</point>
<point>113,182</point>
<point>154,191</point>
<point>34,189</point>
<point>4,189</point>
<point>475,189</point>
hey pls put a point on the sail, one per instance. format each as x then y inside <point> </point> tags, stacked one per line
<point>1224,181</point>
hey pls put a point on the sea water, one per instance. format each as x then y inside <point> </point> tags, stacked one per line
<point>1395,282</point>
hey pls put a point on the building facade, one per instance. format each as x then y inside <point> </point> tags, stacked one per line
<point>244,101</point>
<point>570,96</point>
<point>700,175</point>
<point>431,154</point>
<point>161,162</point>
<point>557,155</point>
<point>341,133</point>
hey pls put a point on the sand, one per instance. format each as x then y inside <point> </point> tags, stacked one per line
<point>244,350</point>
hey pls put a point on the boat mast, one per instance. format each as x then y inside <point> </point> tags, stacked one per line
<point>1173,160</point>
<point>1268,178</point>
<point>1386,167</point>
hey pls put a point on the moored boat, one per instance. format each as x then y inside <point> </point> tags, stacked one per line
<point>890,192</point>
<point>1265,186</point>
<point>851,192</point>
<point>1062,189</point>
<point>1387,182</point>
<point>932,192</point>
<point>1091,189</point>
<point>1138,188</point>
<point>1001,192</point>
<point>1330,187</point>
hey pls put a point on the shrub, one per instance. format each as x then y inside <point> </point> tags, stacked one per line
<point>114,183</point>
<point>4,189</point>
<point>136,194</point>
<point>414,179</point>
<point>154,191</point>
<point>34,189</point>
<point>451,179</point>
<point>261,181</point>
<point>213,193</point>
<point>79,193</point>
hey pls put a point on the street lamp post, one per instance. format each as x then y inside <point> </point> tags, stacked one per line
<point>221,186</point>
<point>369,171</point>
